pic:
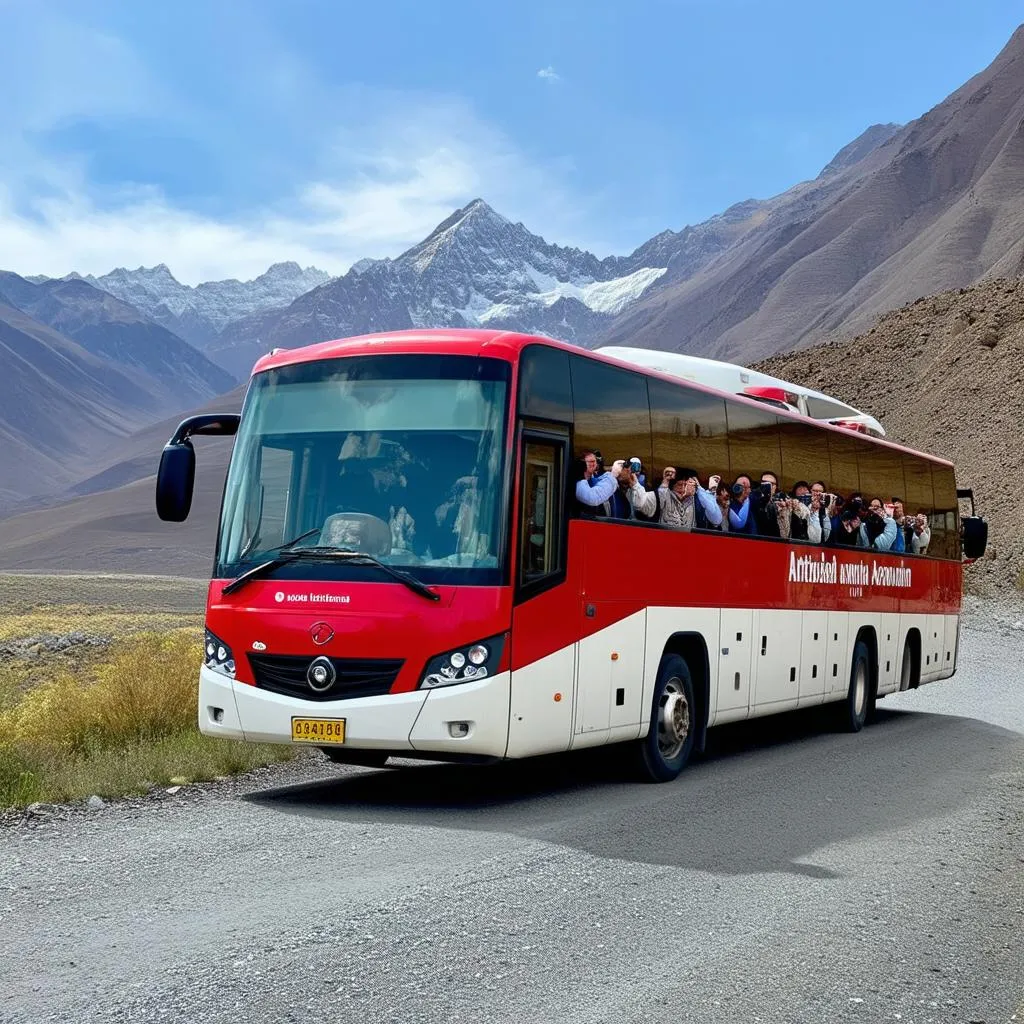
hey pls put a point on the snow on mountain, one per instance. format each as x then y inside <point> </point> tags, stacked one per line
<point>476,268</point>
<point>199,313</point>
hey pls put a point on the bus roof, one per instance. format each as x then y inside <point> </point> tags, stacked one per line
<point>507,345</point>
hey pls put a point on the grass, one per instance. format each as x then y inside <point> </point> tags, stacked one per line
<point>115,720</point>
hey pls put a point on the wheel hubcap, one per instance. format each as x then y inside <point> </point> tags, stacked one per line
<point>673,719</point>
<point>860,690</point>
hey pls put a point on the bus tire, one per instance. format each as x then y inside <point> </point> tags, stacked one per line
<point>664,751</point>
<point>907,666</point>
<point>858,696</point>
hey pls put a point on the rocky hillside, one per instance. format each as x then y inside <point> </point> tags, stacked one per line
<point>938,204</point>
<point>944,374</point>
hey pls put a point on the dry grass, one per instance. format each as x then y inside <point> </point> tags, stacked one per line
<point>115,720</point>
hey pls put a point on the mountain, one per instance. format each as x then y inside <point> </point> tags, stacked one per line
<point>171,373</point>
<point>59,405</point>
<point>198,314</point>
<point>938,204</point>
<point>475,269</point>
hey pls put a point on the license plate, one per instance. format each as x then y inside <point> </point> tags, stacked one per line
<point>318,730</point>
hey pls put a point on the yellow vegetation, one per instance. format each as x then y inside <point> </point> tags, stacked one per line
<point>118,723</point>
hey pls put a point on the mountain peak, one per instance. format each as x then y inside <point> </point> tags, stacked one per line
<point>853,152</point>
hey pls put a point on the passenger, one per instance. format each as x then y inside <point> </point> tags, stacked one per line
<point>902,542</point>
<point>740,506</point>
<point>685,504</point>
<point>648,504</point>
<point>846,525</point>
<point>596,486</point>
<point>878,531</point>
<point>765,510</point>
<point>810,520</point>
<point>730,520</point>
<point>921,534</point>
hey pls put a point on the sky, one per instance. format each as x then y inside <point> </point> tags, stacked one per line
<point>220,137</point>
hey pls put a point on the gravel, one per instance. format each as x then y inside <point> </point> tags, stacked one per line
<point>792,874</point>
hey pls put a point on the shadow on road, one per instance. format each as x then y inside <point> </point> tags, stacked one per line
<point>764,795</point>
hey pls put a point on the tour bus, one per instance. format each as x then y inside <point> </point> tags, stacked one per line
<point>402,569</point>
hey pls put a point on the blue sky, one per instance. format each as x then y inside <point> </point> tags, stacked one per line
<point>220,137</point>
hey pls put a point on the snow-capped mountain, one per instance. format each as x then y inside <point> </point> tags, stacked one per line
<point>475,269</point>
<point>199,313</point>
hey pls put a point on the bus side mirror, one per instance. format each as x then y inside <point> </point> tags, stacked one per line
<point>177,473</point>
<point>174,481</point>
<point>974,536</point>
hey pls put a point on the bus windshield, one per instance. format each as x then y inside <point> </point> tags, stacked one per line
<point>396,456</point>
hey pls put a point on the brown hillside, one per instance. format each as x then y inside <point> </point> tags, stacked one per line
<point>940,204</point>
<point>944,374</point>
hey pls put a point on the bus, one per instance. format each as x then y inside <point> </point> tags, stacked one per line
<point>402,569</point>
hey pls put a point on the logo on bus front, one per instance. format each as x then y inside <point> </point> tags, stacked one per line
<point>321,633</point>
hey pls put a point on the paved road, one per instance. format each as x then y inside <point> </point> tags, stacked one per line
<point>805,875</point>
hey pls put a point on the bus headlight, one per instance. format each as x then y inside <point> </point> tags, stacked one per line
<point>464,664</point>
<point>217,655</point>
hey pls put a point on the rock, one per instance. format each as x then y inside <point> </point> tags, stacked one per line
<point>172,790</point>
<point>95,803</point>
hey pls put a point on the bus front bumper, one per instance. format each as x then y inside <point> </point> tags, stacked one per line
<point>471,717</point>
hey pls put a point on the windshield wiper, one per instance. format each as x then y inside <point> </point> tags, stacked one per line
<point>348,555</point>
<point>278,547</point>
<point>274,563</point>
<point>291,554</point>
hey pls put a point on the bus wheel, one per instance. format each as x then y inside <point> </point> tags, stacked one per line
<point>663,753</point>
<point>858,697</point>
<point>906,667</point>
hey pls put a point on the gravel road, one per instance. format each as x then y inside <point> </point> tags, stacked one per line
<point>792,874</point>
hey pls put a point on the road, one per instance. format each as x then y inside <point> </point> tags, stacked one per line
<point>794,873</point>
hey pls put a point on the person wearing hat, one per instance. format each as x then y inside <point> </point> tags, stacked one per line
<point>680,501</point>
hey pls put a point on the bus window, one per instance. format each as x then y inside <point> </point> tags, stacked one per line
<point>881,472</point>
<point>753,442</point>
<point>945,526</point>
<point>804,455</point>
<point>688,428</point>
<point>612,412</point>
<point>842,452</point>
<point>919,497</point>
<point>545,391</point>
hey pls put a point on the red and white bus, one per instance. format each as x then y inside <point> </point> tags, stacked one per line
<point>401,569</point>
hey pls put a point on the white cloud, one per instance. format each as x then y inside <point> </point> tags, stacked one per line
<point>549,73</point>
<point>391,167</point>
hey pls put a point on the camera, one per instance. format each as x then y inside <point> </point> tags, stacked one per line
<point>736,490</point>
<point>634,465</point>
<point>804,499</point>
<point>765,489</point>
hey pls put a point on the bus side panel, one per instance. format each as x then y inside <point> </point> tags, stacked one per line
<point>543,698</point>
<point>837,664</point>
<point>952,638</point>
<point>813,646</point>
<point>735,652</point>
<point>609,679</point>
<point>890,648</point>
<point>776,660</point>
<point>933,642</point>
